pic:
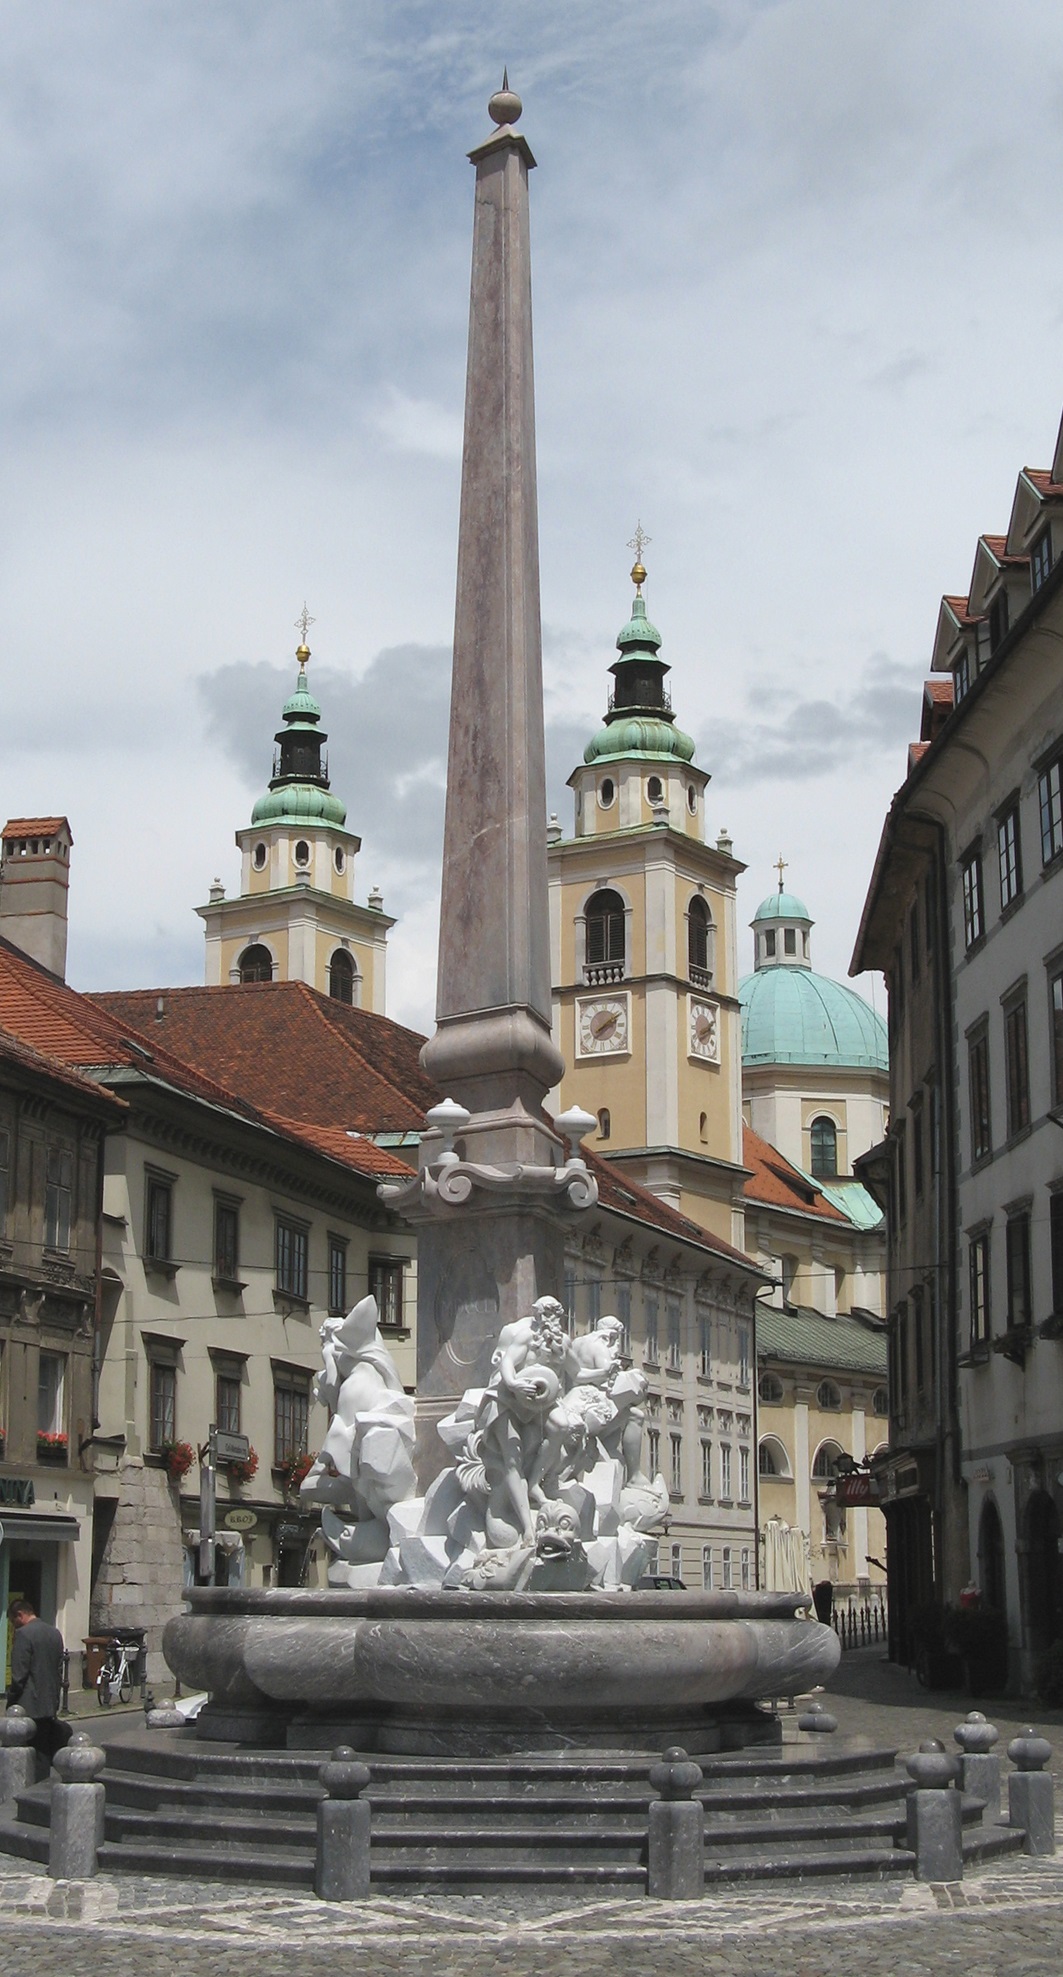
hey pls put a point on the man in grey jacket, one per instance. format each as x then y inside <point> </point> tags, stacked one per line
<point>37,1676</point>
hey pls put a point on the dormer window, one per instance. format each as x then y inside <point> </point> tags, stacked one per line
<point>998,619</point>
<point>961,677</point>
<point>1040,560</point>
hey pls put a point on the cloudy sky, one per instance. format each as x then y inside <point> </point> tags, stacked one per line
<point>798,296</point>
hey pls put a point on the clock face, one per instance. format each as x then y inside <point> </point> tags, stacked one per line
<point>704,1031</point>
<point>603,1026</point>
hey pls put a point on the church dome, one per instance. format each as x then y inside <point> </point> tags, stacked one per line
<point>300,803</point>
<point>782,906</point>
<point>793,1016</point>
<point>639,735</point>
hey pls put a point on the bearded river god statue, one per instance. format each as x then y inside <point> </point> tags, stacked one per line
<point>545,1488</point>
<point>498,1613</point>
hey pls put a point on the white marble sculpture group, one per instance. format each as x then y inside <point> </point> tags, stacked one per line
<point>545,1489</point>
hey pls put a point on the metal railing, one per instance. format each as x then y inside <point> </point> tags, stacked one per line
<point>861,1623</point>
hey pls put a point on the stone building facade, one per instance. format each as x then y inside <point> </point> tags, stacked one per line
<point>971,863</point>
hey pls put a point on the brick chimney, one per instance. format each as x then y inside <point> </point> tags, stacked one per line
<point>34,881</point>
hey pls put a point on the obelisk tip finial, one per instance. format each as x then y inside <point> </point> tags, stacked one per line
<point>505,105</point>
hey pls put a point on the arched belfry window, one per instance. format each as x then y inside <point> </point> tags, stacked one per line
<point>824,1148</point>
<point>341,976</point>
<point>605,936</point>
<point>256,964</point>
<point>699,942</point>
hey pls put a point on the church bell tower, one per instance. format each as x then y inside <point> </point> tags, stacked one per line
<point>645,950</point>
<point>296,918</point>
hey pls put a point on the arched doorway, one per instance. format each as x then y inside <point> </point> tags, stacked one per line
<point>1043,1615</point>
<point>991,1557</point>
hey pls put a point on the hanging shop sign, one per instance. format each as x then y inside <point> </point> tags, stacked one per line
<point>239,1519</point>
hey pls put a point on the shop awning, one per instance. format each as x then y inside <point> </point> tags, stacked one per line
<point>57,1529</point>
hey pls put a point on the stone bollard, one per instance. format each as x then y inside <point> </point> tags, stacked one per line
<point>979,1763</point>
<point>1031,1792</point>
<point>18,1759</point>
<point>676,1837</point>
<point>816,1720</point>
<point>935,1814</point>
<point>77,1810</point>
<point>343,1819</point>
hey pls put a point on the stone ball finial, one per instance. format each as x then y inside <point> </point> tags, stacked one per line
<point>16,1729</point>
<point>817,1720</point>
<point>505,105</point>
<point>344,1776</point>
<point>976,1736</point>
<point>677,1776</point>
<point>1028,1751</point>
<point>80,1761</point>
<point>931,1768</point>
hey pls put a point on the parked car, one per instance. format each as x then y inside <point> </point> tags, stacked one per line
<point>659,1582</point>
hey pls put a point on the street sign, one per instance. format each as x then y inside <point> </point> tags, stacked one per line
<point>231,1448</point>
<point>239,1519</point>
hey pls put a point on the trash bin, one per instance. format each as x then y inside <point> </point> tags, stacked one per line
<point>95,1646</point>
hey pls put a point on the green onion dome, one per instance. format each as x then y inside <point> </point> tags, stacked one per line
<point>793,1016</point>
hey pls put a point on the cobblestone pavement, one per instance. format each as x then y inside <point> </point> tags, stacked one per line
<point>1007,1919</point>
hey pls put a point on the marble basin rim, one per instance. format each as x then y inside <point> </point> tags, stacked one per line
<point>491,1652</point>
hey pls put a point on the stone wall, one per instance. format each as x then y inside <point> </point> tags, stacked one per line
<point>141,1574</point>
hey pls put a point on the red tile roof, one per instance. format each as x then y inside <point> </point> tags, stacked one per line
<point>777,1184</point>
<point>617,1191</point>
<point>45,1016</point>
<point>289,1050</point>
<point>916,752</point>
<point>958,607</point>
<point>23,1057</point>
<point>997,546</point>
<point>33,826</point>
<point>1043,482</point>
<point>940,689</point>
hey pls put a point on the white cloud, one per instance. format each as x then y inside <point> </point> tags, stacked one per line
<point>797,302</point>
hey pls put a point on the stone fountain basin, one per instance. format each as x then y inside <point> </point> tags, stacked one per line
<point>405,1668</point>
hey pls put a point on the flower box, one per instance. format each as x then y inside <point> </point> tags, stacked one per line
<point>52,1448</point>
<point>177,1458</point>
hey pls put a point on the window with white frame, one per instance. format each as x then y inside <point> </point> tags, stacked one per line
<point>744,1562</point>
<point>705,1341</point>
<point>653,1448</point>
<point>743,1475</point>
<point>51,1393</point>
<point>706,1568</point>
<point>677,1562</point>
<point>725,1471</point>
<point>706,1468</point>
<point>676,1464</point>
<point>675,1335</point>
<point>728,1576</point>
<point>651,1312</point>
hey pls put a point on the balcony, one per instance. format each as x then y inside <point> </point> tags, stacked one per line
<point>599,974</point>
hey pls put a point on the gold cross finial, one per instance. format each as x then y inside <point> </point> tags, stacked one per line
<point>638,543</point>
<point>303,624</point>
<point>781,866</point>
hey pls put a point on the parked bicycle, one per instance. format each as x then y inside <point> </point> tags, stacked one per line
<point>118,1671</point>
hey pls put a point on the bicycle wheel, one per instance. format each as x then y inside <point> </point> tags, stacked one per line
<point>125,1686</point>
<point>103,1688</point>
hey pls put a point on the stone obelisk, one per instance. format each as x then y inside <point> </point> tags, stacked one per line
<point>494,1187</point>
